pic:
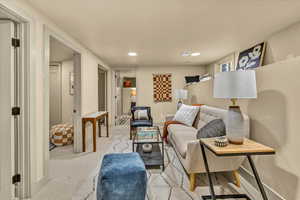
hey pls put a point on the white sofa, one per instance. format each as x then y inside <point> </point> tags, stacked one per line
<point>184,140</point>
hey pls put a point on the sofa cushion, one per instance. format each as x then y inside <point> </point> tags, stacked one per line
<point>214,128</point>
<point>181,136</point>
<point>186,114</point>
<point>139,123</point>
<point>141,115</point>
<point>204,118</point>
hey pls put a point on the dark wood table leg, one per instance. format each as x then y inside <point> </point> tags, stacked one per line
<point>83,135</point>
<point>211,186</point>
<point>107,126</point>
<point>99,127</point>
<point>94,134</point>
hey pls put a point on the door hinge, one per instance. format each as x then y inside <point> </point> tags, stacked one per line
<point>16,111</point>
<point>16,179</point>
<point>15,42</point>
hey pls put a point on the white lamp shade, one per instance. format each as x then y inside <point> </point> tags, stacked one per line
<point>181,94</point>
<point>235,84</point>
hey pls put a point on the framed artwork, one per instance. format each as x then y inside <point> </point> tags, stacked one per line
<point>71,83</point>
<point>225,67</point>
<point>252,57</point>
<point>162,87</point>
<point>226,64</point>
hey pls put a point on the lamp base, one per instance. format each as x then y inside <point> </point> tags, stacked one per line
<point>179,104</point>
<point>235,124</point>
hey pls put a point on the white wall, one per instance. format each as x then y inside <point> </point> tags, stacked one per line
<point>283,45</point>
<point>280,46</point>
<point>275,114</point>
<point>274,121</point>
<point>67,67</point>
<point>89,62</point>
<point>127,73</point>
<point>144,77</point>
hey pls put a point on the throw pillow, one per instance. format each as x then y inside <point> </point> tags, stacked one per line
<point>141,115</point>
<point>186,114</point>
<point>214,128</point>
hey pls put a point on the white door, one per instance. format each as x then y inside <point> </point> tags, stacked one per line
<point>101,90</point>
<point>55,95</point>
<point>118,97</point>
<point>77,104</point>
<point>7,99</point>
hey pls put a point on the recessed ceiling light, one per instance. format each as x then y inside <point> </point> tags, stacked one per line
<point>189,53</point>
<point>132,54</point>
<point>186,53</point>
<point>195,54</point>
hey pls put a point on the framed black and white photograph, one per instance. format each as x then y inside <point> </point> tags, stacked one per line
<point>226,64</point>
<point>225,67</point>
<point>251,58</point>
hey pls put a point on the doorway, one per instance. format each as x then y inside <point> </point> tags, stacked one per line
<point>61,99</point>
<point>125,98</point>
<point>102,88</point>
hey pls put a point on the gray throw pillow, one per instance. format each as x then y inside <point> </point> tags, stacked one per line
<point>214,128</point>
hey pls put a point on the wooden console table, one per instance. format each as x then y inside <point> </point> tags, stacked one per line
<point>94,118</point>
<point>247,149</point>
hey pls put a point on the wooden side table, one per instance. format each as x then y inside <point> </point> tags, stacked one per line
<point>247,149</point>
<point>94,118</point>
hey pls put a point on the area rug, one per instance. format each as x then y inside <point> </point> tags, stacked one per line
<point>171,184</point>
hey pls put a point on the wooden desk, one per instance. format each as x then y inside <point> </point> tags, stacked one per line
<point>247,149</point>
<point>94,118</point>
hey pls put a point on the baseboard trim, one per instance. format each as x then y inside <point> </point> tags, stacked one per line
<point>248,182</point>
<point>38,186</point>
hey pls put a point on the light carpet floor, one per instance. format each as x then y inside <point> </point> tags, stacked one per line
<point>74,176</point>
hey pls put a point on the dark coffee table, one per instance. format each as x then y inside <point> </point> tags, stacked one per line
<point>149,135</point>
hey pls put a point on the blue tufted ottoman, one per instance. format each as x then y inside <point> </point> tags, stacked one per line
<point>122,177</point>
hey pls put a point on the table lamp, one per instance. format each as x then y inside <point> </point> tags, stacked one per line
<point>235,85</point>
<point>180,94</point>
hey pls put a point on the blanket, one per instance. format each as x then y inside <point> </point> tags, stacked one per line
<point>165,130</point>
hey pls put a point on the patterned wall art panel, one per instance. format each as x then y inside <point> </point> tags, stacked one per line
<point>162,87</point>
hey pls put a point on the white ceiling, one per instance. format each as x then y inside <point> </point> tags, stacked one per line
<point>159,30</point>
<point>59,52</point>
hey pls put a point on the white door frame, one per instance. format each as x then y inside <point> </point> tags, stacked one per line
<point>27,115</point>
<point>48,32</point>
<point>114,90</point>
